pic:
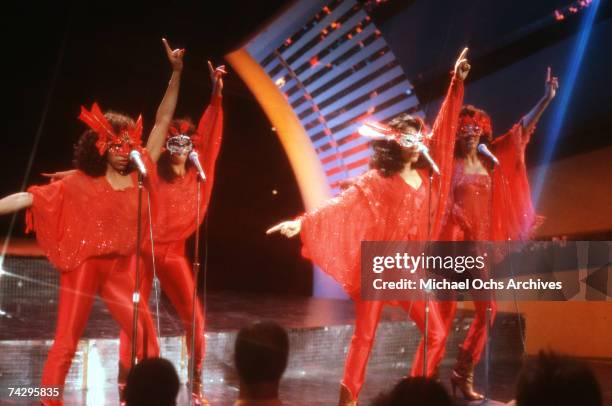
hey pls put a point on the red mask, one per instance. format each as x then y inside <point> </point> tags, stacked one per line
<point>478,124</point>
<point>126,140</point>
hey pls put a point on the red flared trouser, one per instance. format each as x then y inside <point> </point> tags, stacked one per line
<point>176,278</point>
<point>112,279</point>
<point>367,316</point>
<point>476,338</point>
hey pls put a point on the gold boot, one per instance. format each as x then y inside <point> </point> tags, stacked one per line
<point>346,398</point>
<point>463,376</point>
<point>197,395</point>
<point>121,383</point>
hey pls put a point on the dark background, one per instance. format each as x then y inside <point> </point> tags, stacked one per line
<point>110,52</point>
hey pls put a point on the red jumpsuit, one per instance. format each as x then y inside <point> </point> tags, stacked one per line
<point>379,208</point>
<point>470,215</point>
<point>88,231</point>
<point>175,222</point>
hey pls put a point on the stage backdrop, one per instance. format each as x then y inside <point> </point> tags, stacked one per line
<point>318,70</point>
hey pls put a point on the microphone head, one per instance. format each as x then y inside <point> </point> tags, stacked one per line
<point>484,150</point>
<point>422,147</point>
<point>193,155</point>
<point>135,157</point>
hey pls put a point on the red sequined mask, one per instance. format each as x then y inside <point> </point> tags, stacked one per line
<point>123,142</point>
<point>479,124</point>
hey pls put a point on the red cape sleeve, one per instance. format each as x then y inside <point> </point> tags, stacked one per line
<point>210,133</point>
<point>332,235</point>
<point>443,149</point>
<point>44,216</point>
<point>54,217</point>
<point>513,213</point>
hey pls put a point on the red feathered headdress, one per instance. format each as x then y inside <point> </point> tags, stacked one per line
<point>128,138</point>
<point>479,120</point>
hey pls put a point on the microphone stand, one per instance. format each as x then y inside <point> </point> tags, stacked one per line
<point>136,294</point>
<point>489,310</point>
<point>196,273</point>
<point>426,333</point>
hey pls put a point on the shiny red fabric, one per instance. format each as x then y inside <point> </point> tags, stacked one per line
<point>175,223</point>
<point>379,208</point>
<point>178,199</point>
<point>175,276</point>
<point>511,216</point>
<point>80,217</point>
<point>473,217</point>
<point>112,278</point>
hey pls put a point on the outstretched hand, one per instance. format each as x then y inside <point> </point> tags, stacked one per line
<point>551,86</point>
<point>216,77</point>
<point>462,67</point>
<point>55,176</point>
<point>174,56</point>
<point>289,228</point>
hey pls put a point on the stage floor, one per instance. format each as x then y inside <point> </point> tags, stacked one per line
<point>319,331</point>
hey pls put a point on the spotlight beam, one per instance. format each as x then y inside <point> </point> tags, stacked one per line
<point>564,98</point>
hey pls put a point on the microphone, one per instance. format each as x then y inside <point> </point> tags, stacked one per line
<point>425,152</point>
<point>193,156</point>
<point>137,160</point>
<point>482,148</point>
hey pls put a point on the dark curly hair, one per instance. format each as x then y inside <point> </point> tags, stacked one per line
<point>86,156</point>
<point>388,157</point>
<point>471,111</point>
<point>164,164</point>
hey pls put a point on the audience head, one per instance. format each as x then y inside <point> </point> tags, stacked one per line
<point>552,379</point>
<point>415,391</point>
<point>152,382</point>
<point>261,353</point>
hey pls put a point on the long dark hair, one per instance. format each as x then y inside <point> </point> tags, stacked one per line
<point>86,156</point>
<point>164,164</point>
<point>388,157</point>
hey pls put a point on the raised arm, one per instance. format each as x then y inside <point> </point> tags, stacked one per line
<point>550,91</point>
<point>445,125</point>
<point>165,111</point>
<point>511,146</point>
<point>444,132</point>
<point>210,126</point>
<point>15,202</point>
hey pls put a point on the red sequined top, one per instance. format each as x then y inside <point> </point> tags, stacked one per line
<point>470,213</point>
<point>178,199</point>
<point>379,208</point>
<point>80,217</point>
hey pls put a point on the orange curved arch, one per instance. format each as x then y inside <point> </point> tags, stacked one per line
<point>296,143</point>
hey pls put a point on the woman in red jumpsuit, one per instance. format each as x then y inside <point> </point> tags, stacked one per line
<point>389,202</point>
<point>86,224</point>
<point>472,218</point>
<point>175,221</point>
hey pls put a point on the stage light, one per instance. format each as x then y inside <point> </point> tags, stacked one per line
<point>564,96</point>
<point>280,82</point>
<point>95,375</point>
